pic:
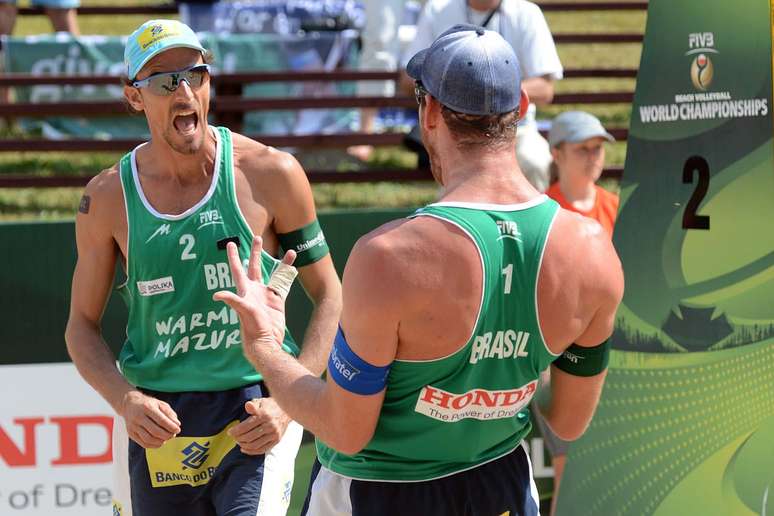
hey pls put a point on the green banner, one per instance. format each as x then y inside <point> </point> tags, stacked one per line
<point>61,54</point>
<point>686,420</point>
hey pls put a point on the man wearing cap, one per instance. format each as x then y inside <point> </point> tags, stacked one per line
<point>522,24</point>
<point>198,433</point>
<point>577,142</point>
<point>450,316</point>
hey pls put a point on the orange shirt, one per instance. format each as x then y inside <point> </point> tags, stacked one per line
<point>604,211</point>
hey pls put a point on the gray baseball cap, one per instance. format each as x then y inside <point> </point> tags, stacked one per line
<point>470,70</point>
<point>576,126</point>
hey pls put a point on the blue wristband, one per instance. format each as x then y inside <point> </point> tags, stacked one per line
<point>351,372</point>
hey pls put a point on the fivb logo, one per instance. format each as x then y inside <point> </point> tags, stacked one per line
<point>195,455</point>
<point>702,68</point>
<point>209,218</point>
<point>508,229</point>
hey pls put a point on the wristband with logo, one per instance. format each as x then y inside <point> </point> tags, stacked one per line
<point>308,242</point>
<point>582,361</point>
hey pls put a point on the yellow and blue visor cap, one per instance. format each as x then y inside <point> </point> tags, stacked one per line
<point>153,37</point>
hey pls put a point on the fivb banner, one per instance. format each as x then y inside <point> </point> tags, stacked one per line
<point>686,420</point>
<point>61,54</point>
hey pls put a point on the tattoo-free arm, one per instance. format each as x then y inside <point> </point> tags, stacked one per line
<point>344,420</point>
<point>574,398</point>
<point>319,279</point>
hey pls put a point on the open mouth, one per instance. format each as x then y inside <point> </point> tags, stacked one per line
<point>186,122</point>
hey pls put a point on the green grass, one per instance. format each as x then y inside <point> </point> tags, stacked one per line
<point>57,203</point>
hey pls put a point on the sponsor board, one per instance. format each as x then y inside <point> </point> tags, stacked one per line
<point>55,443</point>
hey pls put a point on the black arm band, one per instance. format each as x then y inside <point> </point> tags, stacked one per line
<point>308,242</point>
<point>582,361</point>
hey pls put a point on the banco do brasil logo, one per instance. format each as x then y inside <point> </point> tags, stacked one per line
<point>195,454</point>
<point>701,45</point>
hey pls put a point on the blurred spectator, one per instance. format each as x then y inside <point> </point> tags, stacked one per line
<point>62,14</point>
<point>522,24</point>
<point>197,14</point>
<point>381,47</point>
<point>577,142</point>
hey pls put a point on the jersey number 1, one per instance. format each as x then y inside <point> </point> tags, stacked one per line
<point>508,273</point>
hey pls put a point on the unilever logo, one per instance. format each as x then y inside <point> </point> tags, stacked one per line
<point>195,455</point>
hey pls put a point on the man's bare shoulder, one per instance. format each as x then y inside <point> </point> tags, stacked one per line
<point>263,164</point>
<point>582,250</point>
<point>103,191</point>
<point>413,255</point>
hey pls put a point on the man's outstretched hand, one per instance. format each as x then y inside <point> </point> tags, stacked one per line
<point>261,308</point>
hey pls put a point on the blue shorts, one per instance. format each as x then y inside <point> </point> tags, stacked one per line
<point>202,472</point>
<point>503,486</point>
<point>55,4</point>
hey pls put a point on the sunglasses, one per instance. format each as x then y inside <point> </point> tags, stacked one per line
<point>165,83</point>
<point>419,92</point>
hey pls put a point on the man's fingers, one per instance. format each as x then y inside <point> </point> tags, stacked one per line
<point>237,272</point>
<point>232,300</point>
<point>260,446</point>
<point>289,258</point>
<point>155,429</point>
<point>241,428</point>
<point>254,265</point>
<point>171,415</point>
<point>250,435</point>
<point>163,421</point>
<point>145,439</point>
<point>255,407</point>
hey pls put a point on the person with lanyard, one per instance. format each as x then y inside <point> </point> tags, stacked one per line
<point>449,317</point>
<point>523,25</point>
<point>197,432</point>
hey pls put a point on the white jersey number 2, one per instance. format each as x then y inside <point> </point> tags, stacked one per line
<point>188,241</point>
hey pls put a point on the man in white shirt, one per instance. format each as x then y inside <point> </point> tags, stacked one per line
<point>522,24</point>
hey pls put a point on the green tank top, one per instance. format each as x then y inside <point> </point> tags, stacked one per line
<point>450,414</point>
<point>177,338</point>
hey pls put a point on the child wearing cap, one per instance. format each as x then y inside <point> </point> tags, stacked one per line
<point>577,141</point>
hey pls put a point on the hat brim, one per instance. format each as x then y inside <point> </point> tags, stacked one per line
<point>416,65</point>
<point>164,49</point>
<point>582,136</point>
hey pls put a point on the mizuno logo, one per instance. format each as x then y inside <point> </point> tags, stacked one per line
<point>162,230</point>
